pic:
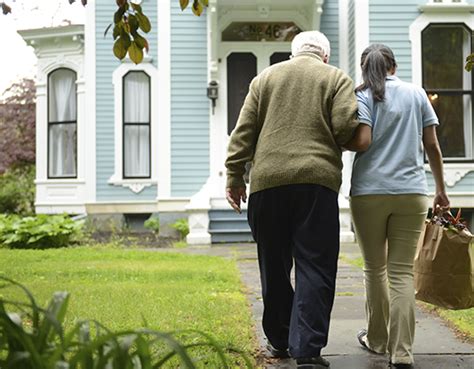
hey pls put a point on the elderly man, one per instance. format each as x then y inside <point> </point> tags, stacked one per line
<point>294,121</point>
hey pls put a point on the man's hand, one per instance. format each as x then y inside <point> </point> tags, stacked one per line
<point>234,195</point>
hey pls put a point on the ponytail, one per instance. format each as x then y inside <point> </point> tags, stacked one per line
<point>376,61</point>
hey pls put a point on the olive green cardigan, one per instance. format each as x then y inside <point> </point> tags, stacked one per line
<point>294,120</point>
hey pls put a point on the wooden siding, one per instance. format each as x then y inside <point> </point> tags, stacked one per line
<point>330,27</point>
<point>106,63</point>
<point>189,104</point>
<point>389,24</point>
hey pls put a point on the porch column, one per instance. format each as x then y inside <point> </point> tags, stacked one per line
<point>200,203</point>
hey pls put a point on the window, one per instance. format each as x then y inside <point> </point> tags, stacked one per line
<point>62,124</point>
<point>449,87</point>
<point>136,125</point>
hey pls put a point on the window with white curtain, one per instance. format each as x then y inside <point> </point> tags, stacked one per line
<point>62,124</point>
<point>449,87</point>
<point>136,125</point>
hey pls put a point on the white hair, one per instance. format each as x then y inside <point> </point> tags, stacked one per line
<point>311,41</point>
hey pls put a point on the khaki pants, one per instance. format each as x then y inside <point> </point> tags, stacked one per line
<point>387,229</point>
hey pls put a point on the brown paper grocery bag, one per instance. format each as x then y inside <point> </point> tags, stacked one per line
<point>444,267</point>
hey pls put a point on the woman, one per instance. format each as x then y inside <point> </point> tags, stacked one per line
<point>389,199</point>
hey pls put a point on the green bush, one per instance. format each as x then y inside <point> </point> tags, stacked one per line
<point>17,190</point>
<point>36,338</point>
<point>153,224</point>
<point>182,226</point>
<point>38,232</point>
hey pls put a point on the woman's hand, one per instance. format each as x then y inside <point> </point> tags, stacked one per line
<point>440,202</point>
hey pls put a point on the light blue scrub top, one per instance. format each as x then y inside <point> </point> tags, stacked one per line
<point>394,162</point>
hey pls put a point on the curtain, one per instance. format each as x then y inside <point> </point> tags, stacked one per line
<point>62,136</point>
<point>137,125</point>
<point>62,150</point>
<point>137,149</point>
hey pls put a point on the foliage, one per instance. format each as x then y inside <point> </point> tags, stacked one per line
<point>153,224</point>
<point>182,226</point>
<point>128,20</point>
<point>121,288</point>
<point>17,125</point>
<point>38,232</point>
<point>469,62</point>
<point>35,338</point>
<point>17,190</point>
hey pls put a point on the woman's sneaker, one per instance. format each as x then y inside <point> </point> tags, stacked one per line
<point>312,363</point>
<point>278,353</point>
<point>362,338</point>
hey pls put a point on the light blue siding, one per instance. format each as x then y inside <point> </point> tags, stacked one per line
<point>351,36</point>
<point>389,23</point>
<point>106,64</point>
<point>465,185</point>
<point>330,27</point>
<point>189,104</point>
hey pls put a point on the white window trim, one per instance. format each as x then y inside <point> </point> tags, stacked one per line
<point>459,13</point>
<point>136,185</point>
<point>42,139</point>
<point>463,15</point>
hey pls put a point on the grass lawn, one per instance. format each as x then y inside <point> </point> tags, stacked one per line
<point>462,320</point>
<point>122,288</point>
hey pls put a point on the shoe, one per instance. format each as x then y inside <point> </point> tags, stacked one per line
<point>312,363</point>
<point>278,353</point>
<point>362,338</point>
<point>402,366</point>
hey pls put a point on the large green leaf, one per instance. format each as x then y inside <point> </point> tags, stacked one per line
<point>183,4</point>
<point>119,48</point>
<point>133,23</point>
<point>140,41</point>
<point>144,22</point>
<point>135,53</point>
<point>197,8</point>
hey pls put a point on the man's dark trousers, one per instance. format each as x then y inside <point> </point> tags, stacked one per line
<point>299,222</point>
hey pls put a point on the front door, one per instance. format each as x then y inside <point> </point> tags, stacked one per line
<point>239,64</point>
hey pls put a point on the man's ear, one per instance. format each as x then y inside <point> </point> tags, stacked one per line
<point>326,59</point>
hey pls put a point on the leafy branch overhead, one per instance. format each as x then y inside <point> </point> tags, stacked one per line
<point>129,20</point>
<point>469,62</point>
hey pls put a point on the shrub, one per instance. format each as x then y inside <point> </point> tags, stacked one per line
<point>182,226</point>
<point>17,190</point>
<point>36,338</point>
<point>153,224</point>
<point>38,232</point>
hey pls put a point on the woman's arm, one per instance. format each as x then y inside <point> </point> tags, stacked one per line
<point>361,140</point>
<point>433,151</point>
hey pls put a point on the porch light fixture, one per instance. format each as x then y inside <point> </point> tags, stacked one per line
<point>213,93</point>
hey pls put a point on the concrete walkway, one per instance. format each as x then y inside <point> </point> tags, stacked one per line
<point>436,346</point>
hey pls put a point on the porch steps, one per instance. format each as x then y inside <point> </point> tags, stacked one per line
<point>226,226</point>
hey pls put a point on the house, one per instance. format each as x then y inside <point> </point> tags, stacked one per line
<point>123,141</point>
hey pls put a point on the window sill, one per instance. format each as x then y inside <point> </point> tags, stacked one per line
<point>60,181</point>
<point>446,8</point>
<point>134,185</point>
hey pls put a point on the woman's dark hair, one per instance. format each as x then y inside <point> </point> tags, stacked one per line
<point>375,62</point>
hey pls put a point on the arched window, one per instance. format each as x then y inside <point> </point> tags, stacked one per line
<point>136,125</point>
<point>62,124</point>
<point>449,87</point>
